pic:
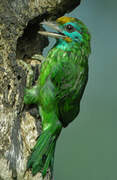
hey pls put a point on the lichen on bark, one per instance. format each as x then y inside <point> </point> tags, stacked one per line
<point>21,125</point>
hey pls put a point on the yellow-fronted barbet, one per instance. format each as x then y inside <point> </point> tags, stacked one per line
<point>60,86</point>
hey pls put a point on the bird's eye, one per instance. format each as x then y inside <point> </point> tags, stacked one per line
<point>70,28</point>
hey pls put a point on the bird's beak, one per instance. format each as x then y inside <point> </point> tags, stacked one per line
<point>54,26</point>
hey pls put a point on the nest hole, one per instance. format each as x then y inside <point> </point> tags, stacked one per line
<point>31,42</point>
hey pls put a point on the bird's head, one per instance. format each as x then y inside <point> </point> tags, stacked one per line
<point>69,30</point>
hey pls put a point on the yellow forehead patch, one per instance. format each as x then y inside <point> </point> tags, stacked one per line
<point>64,19</point>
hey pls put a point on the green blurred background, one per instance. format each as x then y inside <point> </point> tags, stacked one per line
<point>87,148</point>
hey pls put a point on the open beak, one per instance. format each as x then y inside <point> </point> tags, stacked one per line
<point>55,27</point>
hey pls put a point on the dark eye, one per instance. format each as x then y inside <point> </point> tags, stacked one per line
<point>70,28</point>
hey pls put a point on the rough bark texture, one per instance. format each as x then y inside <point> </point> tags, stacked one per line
<point>21,125</point>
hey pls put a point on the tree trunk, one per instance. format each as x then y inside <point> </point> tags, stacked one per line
<point>21,125</point>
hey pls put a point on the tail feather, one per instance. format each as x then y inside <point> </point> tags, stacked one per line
<point>49,158</point>
<point>42,154</point>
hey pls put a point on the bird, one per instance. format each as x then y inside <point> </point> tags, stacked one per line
<point>59,88</point>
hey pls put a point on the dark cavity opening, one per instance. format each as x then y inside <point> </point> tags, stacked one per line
<point>31,42</point>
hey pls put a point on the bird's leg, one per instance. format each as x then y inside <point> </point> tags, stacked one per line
<point>30,97</point>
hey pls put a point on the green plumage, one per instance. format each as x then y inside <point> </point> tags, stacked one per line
<point>62,80</point>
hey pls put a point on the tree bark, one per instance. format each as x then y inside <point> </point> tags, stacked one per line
<point>21,125</point>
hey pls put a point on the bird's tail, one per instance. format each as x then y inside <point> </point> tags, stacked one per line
<point>42,156</point>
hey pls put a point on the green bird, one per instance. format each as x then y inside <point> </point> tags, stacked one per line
<point>60,86</point>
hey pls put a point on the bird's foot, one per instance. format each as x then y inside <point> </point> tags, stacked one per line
<point>28,69</point>
<point>38,57</point>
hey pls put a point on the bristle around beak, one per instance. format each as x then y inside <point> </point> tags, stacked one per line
<point>55,27</point>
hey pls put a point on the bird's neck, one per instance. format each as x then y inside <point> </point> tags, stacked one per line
<point>67,46</point>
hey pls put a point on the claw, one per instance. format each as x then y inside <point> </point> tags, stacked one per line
<point>38,57</point>
<point>28,68</point>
